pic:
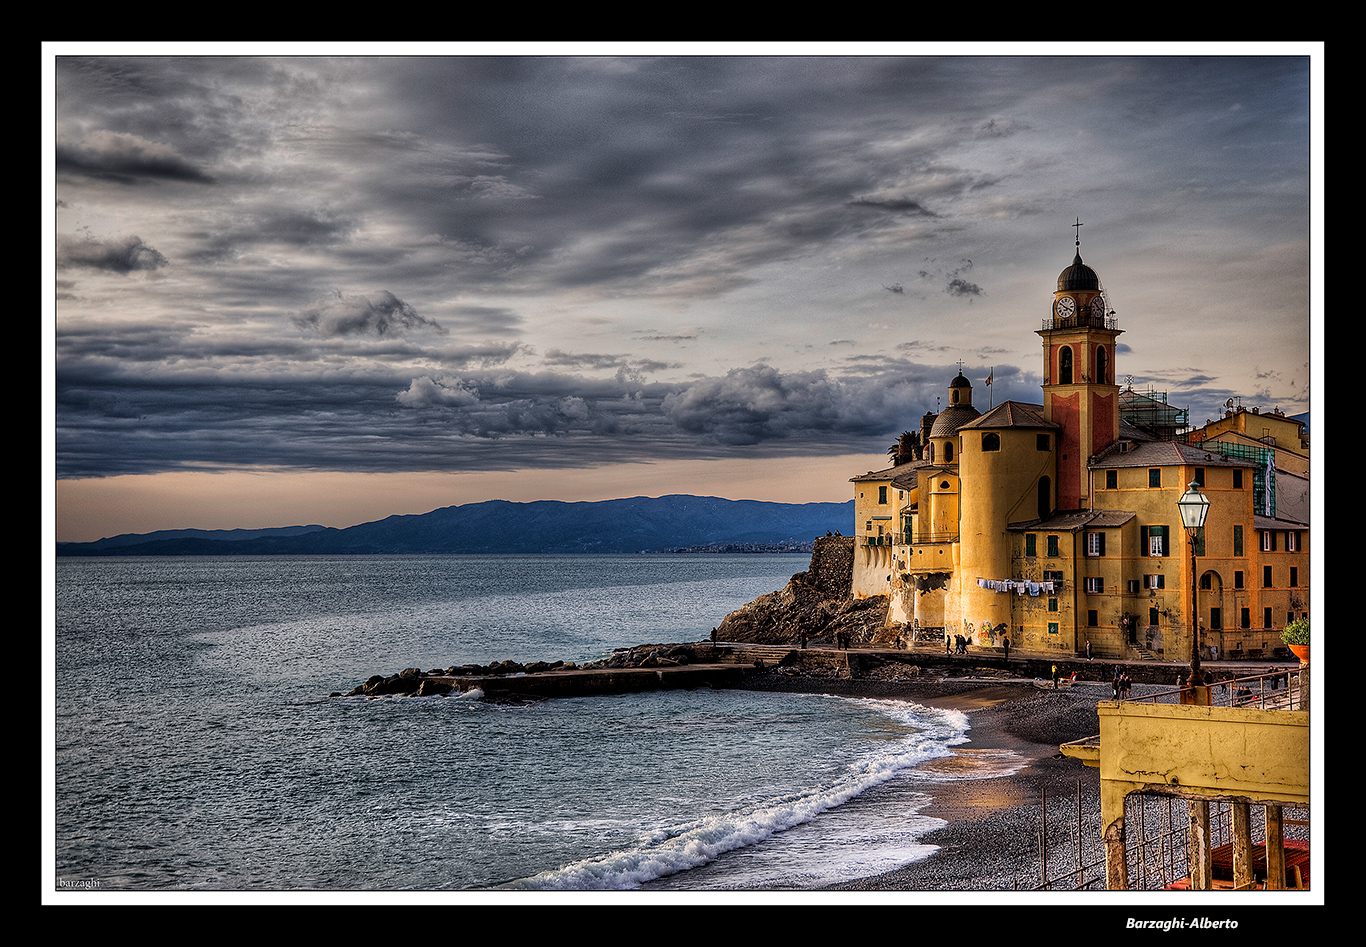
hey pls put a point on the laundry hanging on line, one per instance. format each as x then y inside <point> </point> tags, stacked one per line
<point>1018,586</point>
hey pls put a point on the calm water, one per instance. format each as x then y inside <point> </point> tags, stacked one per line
<point>196,746</point>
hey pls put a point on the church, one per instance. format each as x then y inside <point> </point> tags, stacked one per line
<point>1057,523</point>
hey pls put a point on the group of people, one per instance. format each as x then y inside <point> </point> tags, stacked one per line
<point>1122,684</point>
<point>959,645</point>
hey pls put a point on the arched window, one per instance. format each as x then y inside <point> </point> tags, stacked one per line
<point>948,452</point>
<point>1102,366</point>
<point>991,441</point>
<point>1065,366</point>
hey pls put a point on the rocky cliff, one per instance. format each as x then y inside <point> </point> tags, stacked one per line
<point>817,602</point>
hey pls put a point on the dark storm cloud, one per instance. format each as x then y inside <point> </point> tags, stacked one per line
<point>119,255</point>
<point>428,222</point>
<point>116,421</point>
<point>127,159</point>
<point>380,314</point>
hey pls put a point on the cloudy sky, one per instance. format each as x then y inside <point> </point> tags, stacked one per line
<point>330,288</point>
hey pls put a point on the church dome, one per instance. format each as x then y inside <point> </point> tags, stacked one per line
<point>952,418</point>
<point>1078,276</point>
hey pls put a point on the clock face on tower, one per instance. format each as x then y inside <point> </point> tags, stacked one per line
<point>1098,307</point>
<point>1065,306</point>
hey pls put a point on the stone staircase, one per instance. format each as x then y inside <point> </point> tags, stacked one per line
<point>750,654</point>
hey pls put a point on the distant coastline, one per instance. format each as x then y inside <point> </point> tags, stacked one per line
<point>677,523</point>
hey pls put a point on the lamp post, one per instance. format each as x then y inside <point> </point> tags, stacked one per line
<point>1194,505</point>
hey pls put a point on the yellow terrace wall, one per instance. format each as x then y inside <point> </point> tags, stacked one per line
<point>1261,756</point>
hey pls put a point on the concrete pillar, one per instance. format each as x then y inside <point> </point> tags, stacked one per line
<point>1275,849</point>
<point>1242,846</point>
<point>1198,847</point>
<point>1112,832</point>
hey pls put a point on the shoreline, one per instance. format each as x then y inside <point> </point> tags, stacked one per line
<point>990,839</point>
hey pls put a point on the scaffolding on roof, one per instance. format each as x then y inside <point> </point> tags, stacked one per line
<point>1151,412</point>
<point>1263,476</point>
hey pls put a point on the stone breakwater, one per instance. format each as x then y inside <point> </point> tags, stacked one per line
<point>644,667</point>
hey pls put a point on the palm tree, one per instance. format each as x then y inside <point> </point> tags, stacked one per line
<point>906,448</point>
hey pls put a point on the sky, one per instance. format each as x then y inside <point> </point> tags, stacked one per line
<point>334,284</point>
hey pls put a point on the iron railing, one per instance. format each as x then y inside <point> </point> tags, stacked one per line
<point>1275,690</point>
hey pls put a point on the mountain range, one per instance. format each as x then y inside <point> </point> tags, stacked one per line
<point>637,524</point>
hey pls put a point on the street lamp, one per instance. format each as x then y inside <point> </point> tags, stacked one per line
<point>1194,505</point>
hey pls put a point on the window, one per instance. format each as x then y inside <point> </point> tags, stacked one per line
<point>1065,366</point>
<point>1237,479</point>
<point>1266,577</point>
<point>1245,618</point>
<point>1238,578</point>
<point>1154,476</point>
<point>991,441</point>
<point>1095,585</point>
<point>1043,442</point>
<point>1237,540</point>
<point>1095,544</point>
<point>1052,604</point>
<point>1294,576</point>
<point>1052,628</point>
<point>1216,619</point>
<point>1112,479</point>
<point>1266,618</point>
<point>1154,581</point>
<point>1092,617</point>
<point>948,452</point>
<point>1054,576</point>
<point>1102,365</point>
<point>1031,544</point>
<point>1291,544</point>
<point>1207,581</point>
<point>1200,476</point>
<point>1153,540</point>
<point>1052,545</point>
<point>1268,541</point>
<point>882,494</point>
<point>1152,616</point>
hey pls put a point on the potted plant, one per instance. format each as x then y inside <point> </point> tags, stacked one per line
<point>1296,637</point>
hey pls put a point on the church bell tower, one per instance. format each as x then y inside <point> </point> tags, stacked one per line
<point>1079,390</point>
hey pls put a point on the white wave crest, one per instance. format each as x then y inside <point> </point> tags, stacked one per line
<point>921,734</point>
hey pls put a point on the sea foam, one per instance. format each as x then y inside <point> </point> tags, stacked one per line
<point>917,734</point>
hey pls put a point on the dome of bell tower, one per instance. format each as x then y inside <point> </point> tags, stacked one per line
<point>1078,276</point>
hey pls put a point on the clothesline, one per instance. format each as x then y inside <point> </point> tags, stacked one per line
<point>1018,586</point>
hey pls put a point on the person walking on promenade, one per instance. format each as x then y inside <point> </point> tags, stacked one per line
<point>1055,677</point>
<point>1005,641</point>
<point>1088,649</point>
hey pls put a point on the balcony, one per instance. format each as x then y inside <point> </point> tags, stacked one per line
<point>1081,320</point>
<point>906,539</point>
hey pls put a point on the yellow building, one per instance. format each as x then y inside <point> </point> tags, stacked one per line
<point>1056,523</point>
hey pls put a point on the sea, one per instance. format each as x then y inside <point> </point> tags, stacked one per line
<point>198,742</point>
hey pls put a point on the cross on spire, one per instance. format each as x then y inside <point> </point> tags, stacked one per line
<point>1077,226</point>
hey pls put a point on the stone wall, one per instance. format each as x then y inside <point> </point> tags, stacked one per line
<point>832,565</point>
